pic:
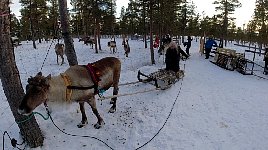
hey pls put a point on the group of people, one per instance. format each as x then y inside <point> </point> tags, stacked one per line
<point>174,51</point>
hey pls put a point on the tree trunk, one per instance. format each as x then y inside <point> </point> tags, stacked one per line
<point>11,81</point>
<point>151,33</point>
<point>96,24</point>
<point>31,24</point>
<point>68,41</point>
<point>95,39</point>
<point>98,32</point>
<point>144,25</point>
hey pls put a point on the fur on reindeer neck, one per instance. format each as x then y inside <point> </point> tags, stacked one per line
<point>57,90</point>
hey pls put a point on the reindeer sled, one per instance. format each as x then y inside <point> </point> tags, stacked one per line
<point>162,79</point>
<point>80,83</point>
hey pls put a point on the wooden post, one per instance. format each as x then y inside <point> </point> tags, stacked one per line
<point>254,59</point>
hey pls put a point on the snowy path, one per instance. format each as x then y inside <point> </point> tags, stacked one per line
<point>216,109</point>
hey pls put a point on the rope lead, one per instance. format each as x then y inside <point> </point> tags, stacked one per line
<point>31,116</point>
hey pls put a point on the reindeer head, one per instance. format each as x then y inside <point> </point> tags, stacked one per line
<point>36,93</point>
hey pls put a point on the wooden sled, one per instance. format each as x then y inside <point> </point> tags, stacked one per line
<point>162,78</point>
<point>225,58</point>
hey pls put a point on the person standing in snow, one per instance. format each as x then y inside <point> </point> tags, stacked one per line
<point>208,46</point>
<point>188,44</point>
<point>265,59</point>
<point>172,58</point>
<point>165,39</point>
<point>156,42</point>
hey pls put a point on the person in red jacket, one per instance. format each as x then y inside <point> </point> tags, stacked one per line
<point>156,42</point>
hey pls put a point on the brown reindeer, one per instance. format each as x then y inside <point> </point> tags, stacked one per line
<point>87,40</point>
<point>91,42</point>
<point>75,84</point>
<point>59,49</point>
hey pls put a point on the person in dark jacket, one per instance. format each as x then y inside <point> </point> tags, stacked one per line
<point>188,44</point>
<point>173,56</point>
<point>208,46</point>
<point>166,39</point>
<point>265,59</point>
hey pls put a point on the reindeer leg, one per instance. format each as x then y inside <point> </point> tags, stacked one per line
<point>92,103</point>
<point>62,59</point>
<point>84,117</point>
<point>57,59</point>
<point>113,100</point>
<point>116,88</point>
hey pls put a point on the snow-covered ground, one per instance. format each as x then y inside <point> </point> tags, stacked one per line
<point>211,108</point>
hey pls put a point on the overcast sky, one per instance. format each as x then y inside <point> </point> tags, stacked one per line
<point>242,14</point>
<point>15,7</point>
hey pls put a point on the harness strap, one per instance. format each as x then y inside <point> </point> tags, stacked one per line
<point>67,82</point>
<point>80,87</point>
<point>94,76</point>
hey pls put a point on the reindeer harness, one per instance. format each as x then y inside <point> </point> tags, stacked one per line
<point>67,82</point>
<point>95,78</point>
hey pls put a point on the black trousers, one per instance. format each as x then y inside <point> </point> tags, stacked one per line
<point>187,50</point>
<point>207,51</point>
<point>266,66</point>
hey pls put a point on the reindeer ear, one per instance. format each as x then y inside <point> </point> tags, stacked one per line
<point>39,74</point>
<point>48,77</point>
<point>30,79</point>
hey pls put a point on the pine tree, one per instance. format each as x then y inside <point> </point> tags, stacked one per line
<point>11,81</point>
<point>53,19</point>
<point>225,9</point>
<point>69,46</point>
<point>260,18</point>
<point>16,26</point>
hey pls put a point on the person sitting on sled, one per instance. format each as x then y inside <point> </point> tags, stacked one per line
<point>173,55</point>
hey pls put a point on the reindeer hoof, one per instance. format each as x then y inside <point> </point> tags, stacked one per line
<point>98,125</point>
<point>111,102</point>
<point>81,124</point>
<point>112,110</point>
